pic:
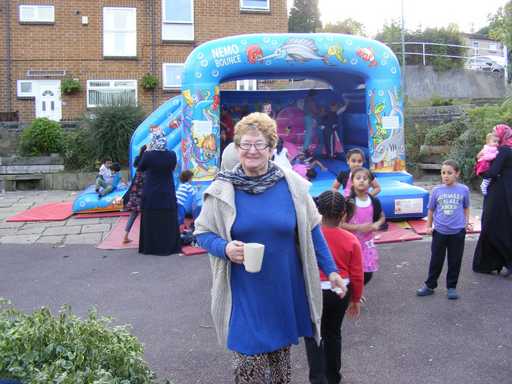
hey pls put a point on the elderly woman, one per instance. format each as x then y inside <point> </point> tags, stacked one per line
<point>494,247</point>
<point>259,315</point>
<point>159,232</point>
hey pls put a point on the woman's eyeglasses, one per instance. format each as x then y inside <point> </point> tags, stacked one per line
<point>259,146</point>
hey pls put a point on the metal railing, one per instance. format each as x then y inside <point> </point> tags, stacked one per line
<point>477,51</point>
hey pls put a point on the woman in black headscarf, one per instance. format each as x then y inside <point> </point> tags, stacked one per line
<point>159,231</point>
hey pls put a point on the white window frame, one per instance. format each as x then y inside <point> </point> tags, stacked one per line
<point>179,30</point>
<point>37,19</point>
<point>126,53</point>
<point>247,85</point>
<point>110,86</point>
<point>253,8</point>
<point>19,91</point>
<point>165,84</point>
<point>166,21</point>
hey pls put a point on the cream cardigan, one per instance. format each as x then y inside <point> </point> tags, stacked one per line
<point>218,215</point>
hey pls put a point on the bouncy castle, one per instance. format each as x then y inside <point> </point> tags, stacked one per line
<point>363,72</point>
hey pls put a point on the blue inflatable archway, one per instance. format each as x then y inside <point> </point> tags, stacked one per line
<point>345,62</point>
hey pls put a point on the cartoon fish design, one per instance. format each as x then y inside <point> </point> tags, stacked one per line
<point>254,53</point>
<point>188,97</point>
<point>297,49</point>
<point>367,55</point>
<point>337,52</point>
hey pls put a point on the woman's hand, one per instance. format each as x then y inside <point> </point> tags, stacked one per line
<point>337,284</point>
<point>354,310</point>
<point>235,251</point>
<point>428,230</point>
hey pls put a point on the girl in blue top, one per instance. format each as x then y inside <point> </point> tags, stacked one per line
<point>447,221</point>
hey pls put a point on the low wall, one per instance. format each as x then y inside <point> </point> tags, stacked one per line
<point>423,83</point>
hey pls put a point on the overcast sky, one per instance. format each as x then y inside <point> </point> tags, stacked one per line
<point>470,15</point>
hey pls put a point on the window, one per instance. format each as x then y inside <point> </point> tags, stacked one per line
<point>37,14</point>
<point>260,5</point>
<point>493,47</point>
<point>25,88</point>
<point>172,75</point>
<point>246,85</point>
<point>111,92</point>
<point>178,11</point>
<point>178,20</point>
<point>119,32</point>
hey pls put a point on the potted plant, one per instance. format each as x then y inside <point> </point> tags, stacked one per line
<point>149,81</point>
<point>43,348</point>
<point>70,86</point>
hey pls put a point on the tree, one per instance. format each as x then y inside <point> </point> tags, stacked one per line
<point>500,27</point>
<point>348,26</point>
<point>304,16</point>
<point>448,35</point>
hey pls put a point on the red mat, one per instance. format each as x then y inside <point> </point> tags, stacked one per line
<point>100,214</point>
<point>395,234</point>
<point>46,212</point>
<point>114,239</point>
<point>420,226</point>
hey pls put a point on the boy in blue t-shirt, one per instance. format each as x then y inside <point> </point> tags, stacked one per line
<point>103,187</point>
<point>185,195</point>
<point>448,211</point>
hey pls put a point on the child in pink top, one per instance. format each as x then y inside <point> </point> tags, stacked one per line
<point>485,158</point>
<point>364,216</point>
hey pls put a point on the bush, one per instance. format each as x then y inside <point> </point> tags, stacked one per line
<point>149,81</point>
<point>70,86</point>
<point>446,133</point>
<point>111,129</point>
<point>440,102</point>
<point>414,137</point>
<point>42,348</point>
<point>79,152</point>
<point>480,121</point>
<point>42,137</point>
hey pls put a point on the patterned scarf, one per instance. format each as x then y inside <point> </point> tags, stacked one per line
<point>251,184</point>
<point>158,142</point>
<point>504,133</point>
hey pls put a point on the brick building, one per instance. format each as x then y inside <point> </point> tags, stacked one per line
<point>109,45</point>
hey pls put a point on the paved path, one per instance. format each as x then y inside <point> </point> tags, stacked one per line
<point>79,231</point>
<point>400,338</point>
<point>58,233</point>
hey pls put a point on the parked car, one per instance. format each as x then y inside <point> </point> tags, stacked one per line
<point>483,63</point>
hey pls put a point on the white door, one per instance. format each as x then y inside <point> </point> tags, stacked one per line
<point>48,101</point>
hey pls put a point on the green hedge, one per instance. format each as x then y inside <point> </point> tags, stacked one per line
<point>42,137</point>
<point>43,348</point>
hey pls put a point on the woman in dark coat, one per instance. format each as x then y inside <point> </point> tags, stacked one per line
<point>159,231</point>
<point>494,248</point>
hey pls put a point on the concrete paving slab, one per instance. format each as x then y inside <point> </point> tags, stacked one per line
<point>86,238</point>
<point>31,230</point>
<point>5,224</point>
<point>50,239</point>
<point>74,221</point>
<point>95,228</point>
<point>22,239</point>
<point>45,224</point>
<point>63,230</point>
<point>8,231</point>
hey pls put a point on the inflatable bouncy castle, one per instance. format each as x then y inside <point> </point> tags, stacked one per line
<point>361,71</point>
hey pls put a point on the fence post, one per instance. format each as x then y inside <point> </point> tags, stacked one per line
<point>424,59</point>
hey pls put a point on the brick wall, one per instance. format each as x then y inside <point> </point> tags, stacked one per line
<point>78,49</point>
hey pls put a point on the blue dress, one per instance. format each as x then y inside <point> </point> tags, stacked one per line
<point>270,308</point>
